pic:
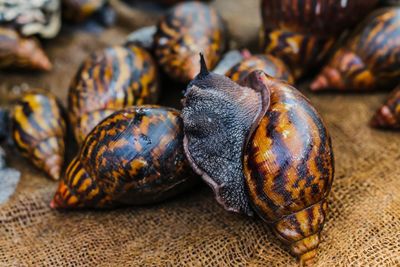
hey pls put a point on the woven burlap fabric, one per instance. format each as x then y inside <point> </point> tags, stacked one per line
<point>363,227</point>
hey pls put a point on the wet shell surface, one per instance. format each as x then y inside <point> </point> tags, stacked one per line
<point>39,131</point>
<point>110,80</point>
<point>369,60</point>
<point>388,116</point>
<point>42,17</point>
<point>186,30</point>
<point>21,52</point>
<point>133,157</point>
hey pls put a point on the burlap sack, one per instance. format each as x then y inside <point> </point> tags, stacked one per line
<point>363,227</point>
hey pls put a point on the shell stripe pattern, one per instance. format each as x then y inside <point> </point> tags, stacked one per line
<point>108,81</point>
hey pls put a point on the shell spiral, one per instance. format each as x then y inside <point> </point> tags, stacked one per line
<point>135,156</point>
<point>288,168</point>
<point>39,131</point>
<point>185,31</point>
<point>108,81</point>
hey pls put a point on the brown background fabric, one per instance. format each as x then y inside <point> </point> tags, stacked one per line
<point>363,227</point>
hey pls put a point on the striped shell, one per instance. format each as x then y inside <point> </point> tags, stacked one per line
<point>108,81</point>
<point>302,32</point>
<point>185,31</point>
<point>21,52</point>
<point>262,147</point>
<point>271,65</point>
<point>39,131</point>
<point>388,116</point>
<point>133,157</point>
<point>80,10</point>
<point>369,60</point>
<point>289,170</point>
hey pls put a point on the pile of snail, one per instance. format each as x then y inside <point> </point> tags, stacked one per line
<point>244,129</point>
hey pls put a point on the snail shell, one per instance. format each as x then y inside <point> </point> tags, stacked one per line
<point>135,156</point>
<point>21,52</point>
<point>39,131</point>
<point>388,116</point>
<point>80,10</point>
<point>108,81</point>
<point>369,60</point>
<point>262,147</point>
<point>271,65</point>
<point>185,31</point>
<point>302,32</point>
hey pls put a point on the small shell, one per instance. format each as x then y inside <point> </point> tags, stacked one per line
<point>80,10</point>
<point>388,116</point>
<point>108,81</point>
<point>185,31</point>
<point>271,65</point>
<point>369,60</point>
<point>133,157</point>
<point>39,131</point>
<point>20,52</point>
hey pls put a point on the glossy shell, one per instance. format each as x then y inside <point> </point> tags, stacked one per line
<point>288,166</point>
<point>80,10</point>
<point>108,81</point>
<point>271,65</point>
<point>388,116</point>
<point>369,60</point>
<point>185,31</point>
<point>302,32</point>
<point>39,131</point>
<point>133,157</point>
<point>32,17</point>
<point>21,52</point>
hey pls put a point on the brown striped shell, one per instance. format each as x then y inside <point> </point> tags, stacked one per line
<point>39,131</point>
<point>388,115</point>
<point>369,60</point>
<point>110,80</point>
<point>262,147</point>
<point>301,32</point>
<point>185,31</point>
<point>80,10</point>
<point>271,65</point>
<point>133,157</point>
<point>21,52</point>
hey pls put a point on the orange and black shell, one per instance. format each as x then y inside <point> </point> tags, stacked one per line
<point>302,32</point>
<point>38,129</point>
<point>80,10</point>
<point>185,31</point>
<point>289,169</point>
<point>21,52</point>
<point>133,157</point>
<point>271,65</point>
<point>370,59</point>
<point>110,80</point>
<point>388,116</point>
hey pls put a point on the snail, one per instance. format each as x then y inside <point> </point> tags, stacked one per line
<point>110,80</point>
<point>302,32</point>
<point>369,60</point>
<point>80,10</point>
<point>388,116</point>
<point>271,65</point>
<point>262,147</point>
<point>187,29</point>
<point>17,51</point>
<point>133,157</point>
<point>39,131</point>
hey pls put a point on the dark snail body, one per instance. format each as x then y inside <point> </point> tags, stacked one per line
<point>369,60</point>
<point>133,157</point>
<point>388,116</point>
<point>108,81</point>
<point>262,147</point>
<point>39,131</point>
<point>302,32</point>
<point>21,52</point>
<point>185,31</point>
